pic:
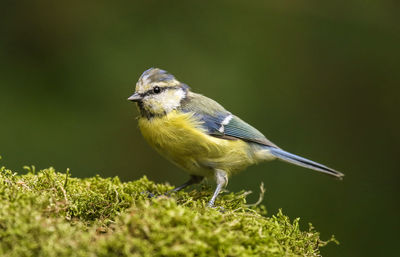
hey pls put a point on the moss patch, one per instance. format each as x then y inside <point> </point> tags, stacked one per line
<point>48,213</point>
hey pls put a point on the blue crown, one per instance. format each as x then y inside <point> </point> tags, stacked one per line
<point>156,75</point>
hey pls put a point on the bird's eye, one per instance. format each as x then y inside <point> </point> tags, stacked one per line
<point>156,89</point>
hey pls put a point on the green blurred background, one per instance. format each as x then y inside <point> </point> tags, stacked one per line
<point>320,79</point>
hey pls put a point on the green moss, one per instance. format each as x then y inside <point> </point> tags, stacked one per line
<point>48,213</point>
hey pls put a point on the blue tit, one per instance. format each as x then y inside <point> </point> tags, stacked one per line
<point>200,136</point>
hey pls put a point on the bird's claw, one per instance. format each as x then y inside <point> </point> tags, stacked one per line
<point>148,194</point>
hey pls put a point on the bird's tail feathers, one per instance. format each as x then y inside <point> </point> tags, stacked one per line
<point>300,161</point>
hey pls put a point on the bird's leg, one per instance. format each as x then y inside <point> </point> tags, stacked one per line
<point>221,177</point>
<point>193,180</point>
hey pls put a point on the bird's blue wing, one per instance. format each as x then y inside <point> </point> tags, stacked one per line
<point>240,129</point>
<point>219,122</point>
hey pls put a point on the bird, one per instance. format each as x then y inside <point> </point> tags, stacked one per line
<point>200,136</point>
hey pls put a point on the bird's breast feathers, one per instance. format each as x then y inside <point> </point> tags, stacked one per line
<point>181,138</point>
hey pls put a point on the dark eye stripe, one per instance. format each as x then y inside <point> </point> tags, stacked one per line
<point>151,91</point>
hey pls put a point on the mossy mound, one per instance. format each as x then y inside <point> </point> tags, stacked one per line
<point>47,213</point>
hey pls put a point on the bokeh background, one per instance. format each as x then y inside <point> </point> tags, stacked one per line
<point>319,78</point>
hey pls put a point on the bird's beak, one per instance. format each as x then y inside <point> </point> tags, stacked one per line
<point>135,97</point>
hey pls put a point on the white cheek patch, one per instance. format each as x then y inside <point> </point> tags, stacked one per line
<point>169,99</point>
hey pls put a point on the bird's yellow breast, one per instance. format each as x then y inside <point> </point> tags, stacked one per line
<point>180,138</point>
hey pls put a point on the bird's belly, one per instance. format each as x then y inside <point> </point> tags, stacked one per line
<point>180,138</point>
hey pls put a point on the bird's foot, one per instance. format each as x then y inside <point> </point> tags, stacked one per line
<point>148,194</point>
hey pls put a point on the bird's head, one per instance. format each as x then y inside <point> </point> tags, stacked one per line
<point>158,92</point>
